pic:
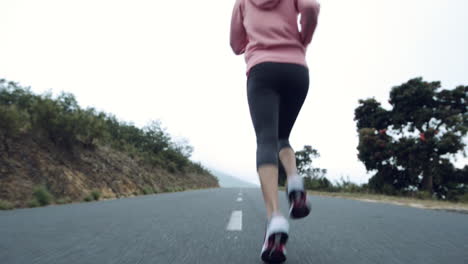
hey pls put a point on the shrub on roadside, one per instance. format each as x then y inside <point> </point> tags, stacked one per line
<point>64,200</point>
<point>147,190</point>
<point>5,205</point>
<point>179,189</point>
<point>42,195</point>
<point>317,183</point>
<point>96,195</point>
<point>169,189</point>
<point>388,189</point>
<point>463,198</point>
<point>423,195</point>
<point>33,203</point>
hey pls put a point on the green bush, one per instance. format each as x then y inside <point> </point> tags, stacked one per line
<point>147,190</point>
<point>56,121</point>
<point>5,205</point>
<point>198,168</point>
<point>11,120</point>
<point>63,200</point>
<point>42,195</point>
<point>317,183</point>
<point>463,198</point>
<point>91,127</point>
<point>179,189</point>
<point>13,94</point>
<point>424,195</point>
<point>33,203</point>
<point>169,189</point>
<point>96,195</point>
<point>388,189</point>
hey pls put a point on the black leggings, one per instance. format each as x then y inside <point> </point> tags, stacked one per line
<point>275,92</point>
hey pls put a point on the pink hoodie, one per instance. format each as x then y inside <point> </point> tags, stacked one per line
<point>267,30</point>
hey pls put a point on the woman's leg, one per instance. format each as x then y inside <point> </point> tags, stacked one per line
<point>293,95</point>
<point>288,159</point>
<point>268,175</point>
<point>263,100</point>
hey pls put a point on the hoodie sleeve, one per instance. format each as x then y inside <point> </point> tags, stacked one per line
<point>238,34</point>
<point>309,10</point>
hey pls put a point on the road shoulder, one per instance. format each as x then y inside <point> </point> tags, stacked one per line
<point>402,201</point>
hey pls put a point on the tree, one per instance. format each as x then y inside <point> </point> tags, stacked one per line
<point>314,178</point>
<point>411,144</point>
<point>304,160</point>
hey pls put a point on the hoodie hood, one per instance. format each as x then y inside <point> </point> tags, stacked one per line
<point>266,4</point>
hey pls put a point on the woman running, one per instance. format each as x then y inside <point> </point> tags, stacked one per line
<point>278,81</point>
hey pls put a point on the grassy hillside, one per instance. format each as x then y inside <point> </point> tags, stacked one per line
<point>53,151</point>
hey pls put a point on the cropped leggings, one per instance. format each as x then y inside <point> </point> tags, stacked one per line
<point>275,93</point>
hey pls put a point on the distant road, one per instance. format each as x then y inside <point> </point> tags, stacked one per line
<point>192,227</point>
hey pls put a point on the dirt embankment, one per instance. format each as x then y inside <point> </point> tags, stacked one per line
<point>25,163</point>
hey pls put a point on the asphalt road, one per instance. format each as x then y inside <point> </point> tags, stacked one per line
<point>191,227</point>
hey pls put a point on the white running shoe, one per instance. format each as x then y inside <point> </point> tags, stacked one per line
<point>299,206</point>
<point>276,236</point>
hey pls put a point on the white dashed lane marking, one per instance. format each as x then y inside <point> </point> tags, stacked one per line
<point>235,222</point>
<point>239,199</point>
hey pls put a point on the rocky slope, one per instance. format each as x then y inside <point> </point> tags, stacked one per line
<point>73,175</point>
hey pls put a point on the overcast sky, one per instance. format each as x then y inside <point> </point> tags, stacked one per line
<point>170,60</point>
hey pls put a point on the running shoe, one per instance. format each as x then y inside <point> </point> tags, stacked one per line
<point>276,236</point>
<point>299,206</point>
